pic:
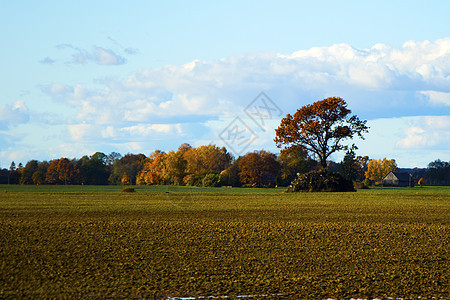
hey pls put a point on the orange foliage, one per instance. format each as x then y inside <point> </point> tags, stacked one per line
<point>422,181</point>
<point>154,171</point>
<point>259,168</point>
<point>62,171</point>
<point>320,128</point>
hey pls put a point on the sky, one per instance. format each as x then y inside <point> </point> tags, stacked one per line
<point>78,77</point>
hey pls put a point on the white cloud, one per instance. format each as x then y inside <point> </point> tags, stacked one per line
<point>107,57</point>
<point>438,123</point>
<point>109,132</point>
<point>98,55</point>
<point>396,77</point>
<point>80,131</point>
<point>14,114</point>
<point>415,138</point>
<point>437,98</point>
<point>149,130</point>
<point>411,141</point>
<point>172,104</point>
<point>428,132</point>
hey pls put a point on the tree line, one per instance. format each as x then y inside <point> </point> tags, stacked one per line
<point>207,165</point>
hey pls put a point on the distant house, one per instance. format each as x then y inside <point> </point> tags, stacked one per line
<point>398,179</point>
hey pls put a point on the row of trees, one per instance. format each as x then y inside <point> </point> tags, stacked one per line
<point>438,173</point>
<point>94,169</point>
<point>205,166</point>
<point>372,171</point>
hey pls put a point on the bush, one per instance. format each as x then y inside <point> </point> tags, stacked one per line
<point>359,185</point>
<point>211,180</point>
<point>321,181</point>
<point>194,180</point>
<point>367,182</point>
<point>128,190</point>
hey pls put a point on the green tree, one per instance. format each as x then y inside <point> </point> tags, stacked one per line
<point>294,160</point>
<point>230,176</point>
<point>211,180</point>
<point>39,176</point>
<point>438,173</point>
<point>130,164</point>
<point>361,167</point>
<point>320,128</point>
<point>348,167</point>
<point>27,173</point>
<point>13,174</point>
<point>94,169</point>
<point>112,158</point>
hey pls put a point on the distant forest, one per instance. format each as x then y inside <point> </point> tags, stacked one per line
<point>202,166</point>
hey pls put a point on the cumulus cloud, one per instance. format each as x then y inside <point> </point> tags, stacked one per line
<point>378,81</point>
<point>437,98</point>
<point>184,100</point>
<point>15,114</point>
<point>430,132</point>
<point>416,137</point>
<point>79,132</point>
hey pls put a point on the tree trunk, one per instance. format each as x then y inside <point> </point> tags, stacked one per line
<point>323,162</point>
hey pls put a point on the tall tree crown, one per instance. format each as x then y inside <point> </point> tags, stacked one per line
<point>320,128</point>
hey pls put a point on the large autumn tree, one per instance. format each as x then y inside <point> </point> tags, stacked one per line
<point>62,171</point>
<point>321,128</point>
<point>208,159</point>
<point>154,170</point>
<point>259,168</point>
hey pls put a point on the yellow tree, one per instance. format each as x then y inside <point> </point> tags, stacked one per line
<point>176,164</point>
<point>378,169</point>
<point>206,159</point>
<point>125,179</point>
<point>154,170</point>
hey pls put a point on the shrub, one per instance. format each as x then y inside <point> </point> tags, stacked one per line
<point>422,182</point>
<point>359,185</point>
<point>194,180</point>
<point>211,180</point>
<point>128,190</point>
<point>321,181</point>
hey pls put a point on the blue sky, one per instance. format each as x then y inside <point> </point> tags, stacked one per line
<point>85,76</point>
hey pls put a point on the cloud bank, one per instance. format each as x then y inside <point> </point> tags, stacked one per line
<point>163,107</point>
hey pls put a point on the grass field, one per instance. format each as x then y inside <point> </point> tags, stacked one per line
<point>161,242</point>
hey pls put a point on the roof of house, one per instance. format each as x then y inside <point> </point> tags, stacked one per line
<point>401,176</point>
